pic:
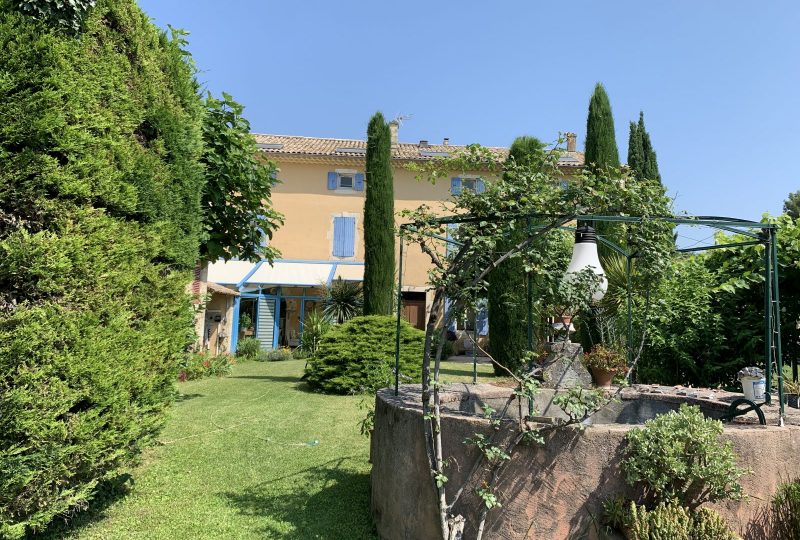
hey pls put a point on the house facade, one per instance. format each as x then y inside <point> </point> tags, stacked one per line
<point>321,194</point>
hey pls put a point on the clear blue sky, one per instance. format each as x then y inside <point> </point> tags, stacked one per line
<point>718,81</point>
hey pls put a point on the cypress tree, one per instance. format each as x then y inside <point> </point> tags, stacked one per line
<point>507,307</point>
<point>601,143</point>
<point>635,150</point>
<point>378,220</point>
<point>650,166</point>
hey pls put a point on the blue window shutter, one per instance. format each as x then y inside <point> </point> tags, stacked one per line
<point>331,180</point>
<point>455,185</point>
<point>483,321</point>
<point>480,187</point>
<point>344,236</point>
<point>450,248</point>
<point>359,182</point>
<point>452,324</point>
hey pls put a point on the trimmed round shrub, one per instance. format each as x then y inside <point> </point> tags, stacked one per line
<point>358,356</point>
<point>100,224</point>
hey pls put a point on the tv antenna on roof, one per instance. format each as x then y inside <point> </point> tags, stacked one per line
<point>400,118</point>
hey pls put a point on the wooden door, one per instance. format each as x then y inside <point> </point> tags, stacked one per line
<point>414,312</point>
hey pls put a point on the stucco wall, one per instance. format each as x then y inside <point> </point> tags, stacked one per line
<point>552,491</point>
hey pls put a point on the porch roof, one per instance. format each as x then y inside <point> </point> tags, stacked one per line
<point>284,272</point>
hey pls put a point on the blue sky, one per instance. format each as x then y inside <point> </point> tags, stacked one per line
<point>718,81</point>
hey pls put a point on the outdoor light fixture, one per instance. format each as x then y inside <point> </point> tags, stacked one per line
<point>584,255</point>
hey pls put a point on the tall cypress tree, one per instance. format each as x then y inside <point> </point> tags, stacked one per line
<point>378,220</point>
<point>601,142</point>
<point>650,169</point>
<point>635,150</point>
<point>507,307</point>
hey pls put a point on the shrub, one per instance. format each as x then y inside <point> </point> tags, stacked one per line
<point>100,223</point>
<point>668,520</point>
<point>248,347</point>
<point>605,358</point>
<point>201,365</point>
<point>315,327</point>
<point>358,356</point>
<point>678,455</point>
<point>786,511</point>
<point>278,355</point>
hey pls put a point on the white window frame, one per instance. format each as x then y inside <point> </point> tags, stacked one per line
<point>472,179</point>
<point>347,173</point>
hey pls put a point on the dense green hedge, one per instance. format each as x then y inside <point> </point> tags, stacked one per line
<point>100,184</point>
<point>358,356</point>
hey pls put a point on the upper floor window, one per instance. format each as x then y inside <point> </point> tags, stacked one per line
<point>345,181</point>
<point>471,183</point>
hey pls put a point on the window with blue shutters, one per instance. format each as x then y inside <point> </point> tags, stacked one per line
<point>471,184</point>
<point>344,236</point>
<point>345,181</point>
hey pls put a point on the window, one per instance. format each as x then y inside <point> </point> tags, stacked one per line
<point>345,181</point>
<point>474,184</point>
<point>344,236</point>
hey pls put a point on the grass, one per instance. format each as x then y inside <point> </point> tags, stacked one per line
<point>252,455</point>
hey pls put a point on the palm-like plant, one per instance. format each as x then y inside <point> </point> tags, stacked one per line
<point>342,300</point>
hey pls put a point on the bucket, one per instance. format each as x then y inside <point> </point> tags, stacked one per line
<point>754,388</point>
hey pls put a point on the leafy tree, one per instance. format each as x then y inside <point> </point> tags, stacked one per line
<point>238,217</point>
<point>601,142</point>
<point>378,220</point>
<point>507,305</point>
<point>791,205</point>
<point>64,14</point>
<point>100,223</point>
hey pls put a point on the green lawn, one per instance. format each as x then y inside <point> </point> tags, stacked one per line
<point>252,455</point>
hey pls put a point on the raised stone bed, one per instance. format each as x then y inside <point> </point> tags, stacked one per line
<point>553,491</point>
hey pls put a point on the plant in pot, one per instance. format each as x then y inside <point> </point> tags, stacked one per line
<point>246,324</point>
<point>791,389</point>
<point>604,362</point>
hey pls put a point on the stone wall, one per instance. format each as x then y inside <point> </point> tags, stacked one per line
<point>553,491</point>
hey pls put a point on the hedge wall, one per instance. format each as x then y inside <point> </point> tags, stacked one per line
<point>100,183</point>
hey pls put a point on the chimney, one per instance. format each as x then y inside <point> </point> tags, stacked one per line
<point>423,143</point>
<point>446,141</point>
<point>571,140</point>
<point>394,125</point>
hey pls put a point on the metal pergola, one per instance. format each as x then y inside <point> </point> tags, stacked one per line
<point>756,233</point>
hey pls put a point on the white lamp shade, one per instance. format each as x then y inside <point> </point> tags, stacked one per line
<point>584,255</point>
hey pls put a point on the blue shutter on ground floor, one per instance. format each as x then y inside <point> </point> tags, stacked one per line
<point>265,324</point>
<point>344,236</point>
<point>482,319</point>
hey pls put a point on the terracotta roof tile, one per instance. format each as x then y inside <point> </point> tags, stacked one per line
<point>355,148</point>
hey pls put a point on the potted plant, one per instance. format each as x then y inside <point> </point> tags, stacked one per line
<point>791,390</point>
<point>604,363</point>
<point>246,324</point>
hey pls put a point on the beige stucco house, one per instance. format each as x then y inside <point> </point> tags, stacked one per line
<point>321,194</point>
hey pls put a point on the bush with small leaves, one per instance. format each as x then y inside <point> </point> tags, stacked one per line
<point>669,520</point>
<point>678,455</point>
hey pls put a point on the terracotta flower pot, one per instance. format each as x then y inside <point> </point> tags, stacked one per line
<point>602,377</point>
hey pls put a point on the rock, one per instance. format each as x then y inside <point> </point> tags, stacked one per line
<point>563,367</point>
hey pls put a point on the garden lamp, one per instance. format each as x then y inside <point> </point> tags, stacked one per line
<point>584,255</point>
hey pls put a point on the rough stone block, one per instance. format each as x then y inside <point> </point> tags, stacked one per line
<point>563,367</point>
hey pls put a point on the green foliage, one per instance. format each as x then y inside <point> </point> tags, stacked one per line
<point>791,206</point>
<point>602,357</point>
<point>378,220</point>
<point>99,228</point>
<point>668,520</point>
<point>786,511</point>
<point>66,14</point>
<point>315,327</point>
<point>678,455</point>
<point>245,321</point>
<point>358,356</point>
<point>238,217</point>
<point>201,365</point>
<point>342,300</point>
<point>641,156</point>
<point>601,143</point>
<point>278,355</point>
<point>507,307</point>
<point>248,347</point>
